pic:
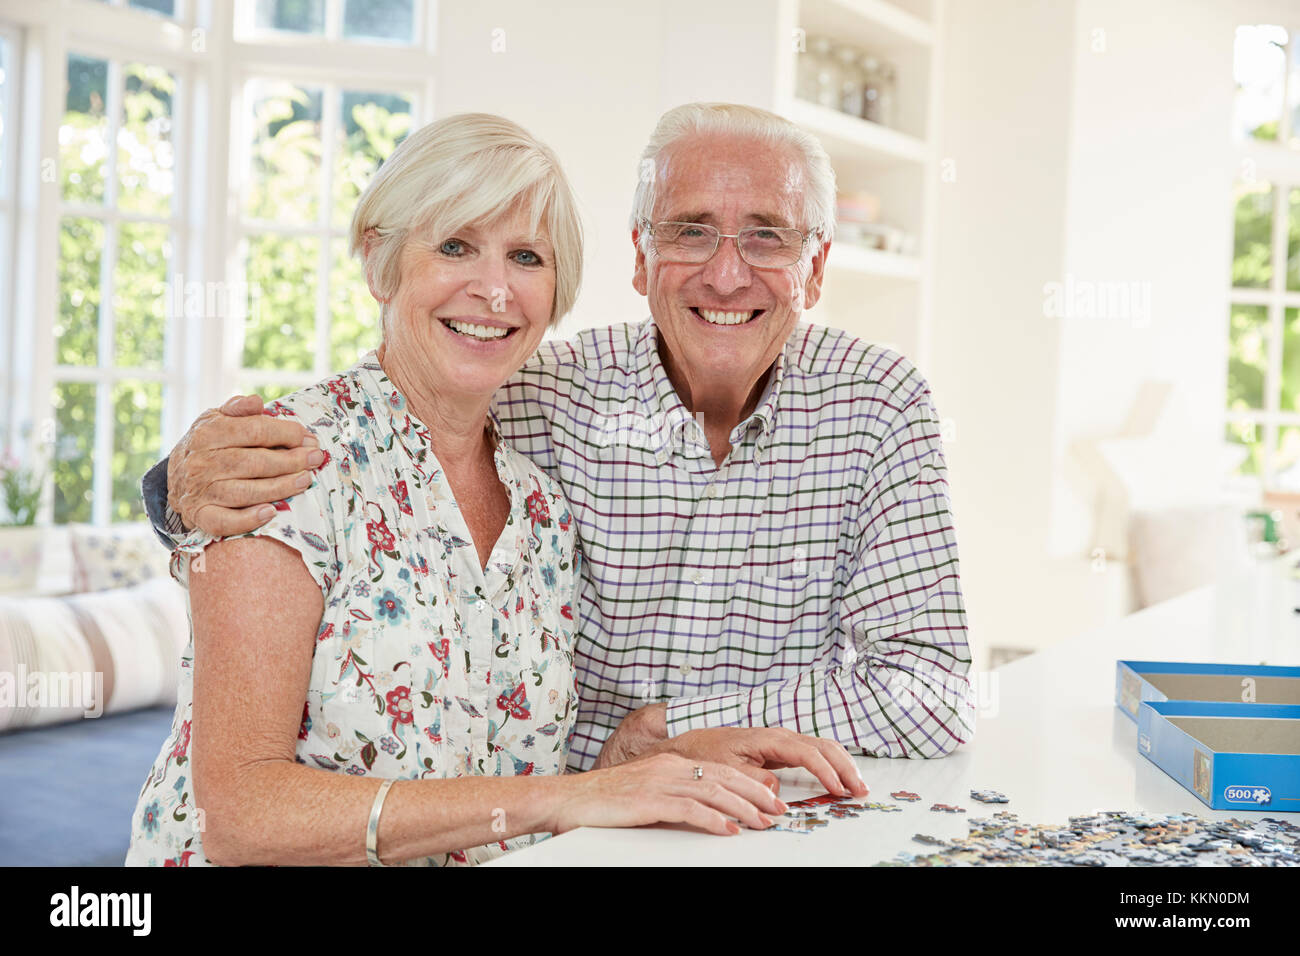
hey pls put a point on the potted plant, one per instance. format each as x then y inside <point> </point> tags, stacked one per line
<point>20,539</point>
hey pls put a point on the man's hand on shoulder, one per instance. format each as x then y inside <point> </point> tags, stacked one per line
<point>234,462</point>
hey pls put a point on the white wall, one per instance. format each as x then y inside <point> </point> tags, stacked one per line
<point>1004,124</point>
<point>1091,140</point>
<point>583,77</point>
<point>1151,172</point>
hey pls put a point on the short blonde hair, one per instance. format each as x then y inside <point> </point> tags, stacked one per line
<point>745,122</point>
<point>460,170</point>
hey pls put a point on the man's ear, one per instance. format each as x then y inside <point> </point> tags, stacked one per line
<point>369,240</point>
<point>638,270</point>
<point>812,287</point>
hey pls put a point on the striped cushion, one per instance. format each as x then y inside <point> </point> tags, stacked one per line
<point>62,658</point>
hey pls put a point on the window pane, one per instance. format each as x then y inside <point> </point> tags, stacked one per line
<point>83,134</point>
<point>137,435</point>
<point>269,393</point>
<point>1293,243</point>
<point>280,332</point>
<point>1259,67</point>
<point>1290,359</point>
<point>1293,91</point>
<point>378,20</point>
<point>74,422</point>
<point>354,314</point>
<point>1247,356</point>
<point>1286,459</point>
<point>284,182</point>
<point>140,294</point>
<point>144,143</point>
<point>371,126</point>
<point>291,16</point>
<point>76,334</point>
<point>1252,235</point>
<point>1251,437</point>
<point>166,7</point>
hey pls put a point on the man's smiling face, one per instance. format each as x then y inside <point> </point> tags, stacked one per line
<point>725,321</point>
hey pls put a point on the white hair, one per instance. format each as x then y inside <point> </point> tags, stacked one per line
<point>747,122</point>
<point>461,170</point>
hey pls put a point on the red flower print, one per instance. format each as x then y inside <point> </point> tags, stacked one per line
<point>516,702</point>
<point>566,612</point>
<point>378,534</point>
<point>400,707</point>
<point>400,495</point>
<point>306,722</point>
<point>183,743</point>
<point>326,632</point>
<point>183,860</point>
<point>341,392</point>
<point>281,505</point>
<point>537,509</point>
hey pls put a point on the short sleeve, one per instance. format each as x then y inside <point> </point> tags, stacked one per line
<point>304,523</point>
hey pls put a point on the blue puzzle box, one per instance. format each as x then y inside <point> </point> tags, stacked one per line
<point>1138,681</point>
<point>1232,756</point>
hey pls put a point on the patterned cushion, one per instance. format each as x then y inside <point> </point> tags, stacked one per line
<point>115,557</point>
<point>62,658</point>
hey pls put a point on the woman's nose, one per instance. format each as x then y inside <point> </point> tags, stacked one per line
<point>491,282</point>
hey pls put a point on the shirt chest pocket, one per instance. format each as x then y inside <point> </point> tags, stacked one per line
<point>781,611</point>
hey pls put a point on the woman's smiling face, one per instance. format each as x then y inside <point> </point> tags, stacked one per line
<point>473,305</point>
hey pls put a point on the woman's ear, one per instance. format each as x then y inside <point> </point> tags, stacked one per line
<point>370,240</point>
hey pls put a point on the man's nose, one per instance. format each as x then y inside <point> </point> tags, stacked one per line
<point>727,271</point>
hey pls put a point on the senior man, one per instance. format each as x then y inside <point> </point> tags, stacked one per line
<point>762,503</point>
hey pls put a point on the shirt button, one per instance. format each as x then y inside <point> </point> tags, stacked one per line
<point>715,490</point>
<point>699,577</point>
<point>684,668</point>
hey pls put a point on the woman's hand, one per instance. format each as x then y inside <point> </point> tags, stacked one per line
<point>663,789</point>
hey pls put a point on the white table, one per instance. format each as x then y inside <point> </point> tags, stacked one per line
<point>1048,735</point>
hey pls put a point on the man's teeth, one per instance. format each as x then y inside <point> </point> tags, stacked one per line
<point>477,331</point>
<point>725,318</point>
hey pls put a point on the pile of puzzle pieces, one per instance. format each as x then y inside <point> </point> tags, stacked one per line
<point>1114,838</point>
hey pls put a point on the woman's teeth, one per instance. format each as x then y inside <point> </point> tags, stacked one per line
<point>724,318</point>
<point>477,331</point>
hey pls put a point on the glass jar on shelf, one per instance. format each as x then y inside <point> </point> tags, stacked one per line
<point>817,79</point>
<point>852,80</point>
<point>870,67</point>
<point>885,99</point>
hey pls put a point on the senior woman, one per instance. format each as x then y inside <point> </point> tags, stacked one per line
<point>384,672</point>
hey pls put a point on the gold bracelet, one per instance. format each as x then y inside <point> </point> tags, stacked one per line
<point>372,828</point>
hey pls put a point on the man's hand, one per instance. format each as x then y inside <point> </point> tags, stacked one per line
<point>233,462</point>
<point>757,751</point>
<point>634,736</point>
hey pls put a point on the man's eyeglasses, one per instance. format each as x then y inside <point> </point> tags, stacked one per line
<point>764,247</point>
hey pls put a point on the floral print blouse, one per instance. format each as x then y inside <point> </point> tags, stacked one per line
<point>425,665</point>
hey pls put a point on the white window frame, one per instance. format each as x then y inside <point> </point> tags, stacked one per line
<point>1278,165</point>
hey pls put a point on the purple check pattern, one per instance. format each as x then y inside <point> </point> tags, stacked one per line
<point>810,582</point>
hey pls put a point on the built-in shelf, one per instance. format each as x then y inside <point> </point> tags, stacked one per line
<point>891,26</point>
<point>872,262</point>
<point>846,136</point>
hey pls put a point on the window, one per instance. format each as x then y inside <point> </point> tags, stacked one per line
<point>118,230</point>
<point>311,149</point>
<point>190,227</point>
<point>1264,309</point>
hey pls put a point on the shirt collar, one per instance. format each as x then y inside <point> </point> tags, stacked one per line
<point>667,415</point>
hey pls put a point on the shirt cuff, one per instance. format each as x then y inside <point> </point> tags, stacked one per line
<point>167,524</point>
<point>699,713</point>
